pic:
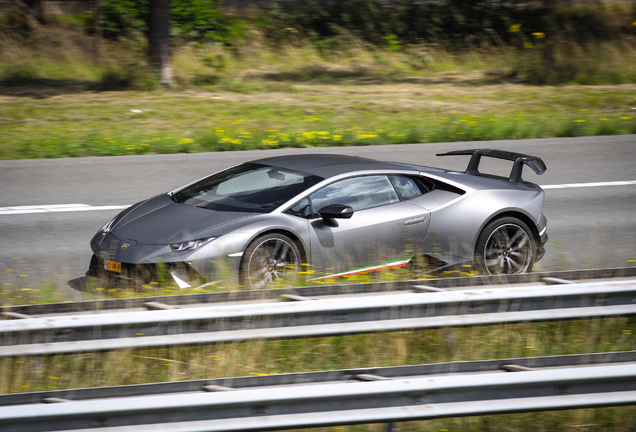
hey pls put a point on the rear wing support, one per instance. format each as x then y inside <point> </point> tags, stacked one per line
<point>519,160</point>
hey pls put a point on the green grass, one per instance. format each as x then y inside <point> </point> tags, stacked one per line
<point>16,288</point>
<point>55,101</point>
<point>124,123</point>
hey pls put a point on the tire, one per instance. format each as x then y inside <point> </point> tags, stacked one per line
<point>271,258</point>
<point>505,246</point>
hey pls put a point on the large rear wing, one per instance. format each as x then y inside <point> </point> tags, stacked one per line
<point>519,160</point>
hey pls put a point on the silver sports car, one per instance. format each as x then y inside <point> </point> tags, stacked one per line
<point>262,221</point>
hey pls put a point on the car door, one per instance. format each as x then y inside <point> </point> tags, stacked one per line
<point>385,227</point>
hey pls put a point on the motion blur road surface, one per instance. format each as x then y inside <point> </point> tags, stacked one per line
<point>589,225</point>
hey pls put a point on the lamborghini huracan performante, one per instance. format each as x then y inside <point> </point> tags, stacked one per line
<point>262,221</point>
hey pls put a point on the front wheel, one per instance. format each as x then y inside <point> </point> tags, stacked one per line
<point>505,246</point>
<point>273,257</point>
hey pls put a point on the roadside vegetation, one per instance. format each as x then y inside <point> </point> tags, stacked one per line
<point>308,76</point>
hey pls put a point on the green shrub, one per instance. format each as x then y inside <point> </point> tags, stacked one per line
<point>199,20</point>
<point>191,19</point>
<point>119,18</point>
<point>454,23</point>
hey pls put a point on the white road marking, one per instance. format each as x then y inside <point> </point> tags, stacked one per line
<point>586,185</point>
<point>55,208</point>
<point>59,208</point>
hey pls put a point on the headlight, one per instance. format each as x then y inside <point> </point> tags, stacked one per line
<point>191,244</point>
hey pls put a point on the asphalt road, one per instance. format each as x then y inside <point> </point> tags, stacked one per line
<point>590,226</point>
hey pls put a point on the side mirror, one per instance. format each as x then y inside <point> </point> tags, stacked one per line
<point>332,212</point>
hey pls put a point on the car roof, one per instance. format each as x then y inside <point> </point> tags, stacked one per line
<point>328,165</point>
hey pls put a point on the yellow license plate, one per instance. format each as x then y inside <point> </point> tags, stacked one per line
<point>112,266</point>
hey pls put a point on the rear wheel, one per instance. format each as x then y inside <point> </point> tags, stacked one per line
<point>268,259</point>
<point>505,246</point>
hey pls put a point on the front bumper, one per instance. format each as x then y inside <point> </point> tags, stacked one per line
<point>136,275</point>
<point>216,263</point>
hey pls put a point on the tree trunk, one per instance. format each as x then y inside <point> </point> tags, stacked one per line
<point>36,9</point>
<point>97,37</point>
<point>548,46</point>
<point>159,40</point>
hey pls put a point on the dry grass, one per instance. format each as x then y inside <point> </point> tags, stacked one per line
<point>285,356</point>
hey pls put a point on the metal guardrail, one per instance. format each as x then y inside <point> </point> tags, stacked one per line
<point>319,377</point>
<point>317,291</point>
<point>323,317</point>
<point>334,397</point>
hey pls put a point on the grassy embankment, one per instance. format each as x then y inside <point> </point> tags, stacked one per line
<point>55,101</point>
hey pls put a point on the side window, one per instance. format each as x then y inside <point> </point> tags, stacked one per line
<point>408,187</point>
<point>358,192</point>
<point>301,209</point>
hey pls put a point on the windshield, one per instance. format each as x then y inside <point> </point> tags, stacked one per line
<point>249,187</point>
